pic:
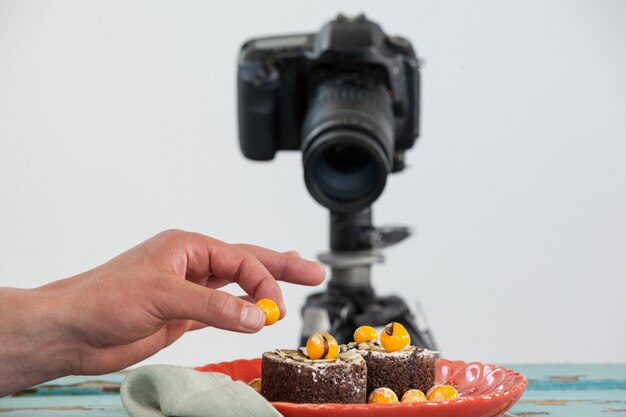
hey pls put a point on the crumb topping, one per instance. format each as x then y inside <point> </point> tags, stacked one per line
<point>299,355</point>
<point>375,347</point>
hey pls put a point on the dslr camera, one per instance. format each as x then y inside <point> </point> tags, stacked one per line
<point>347,97</point>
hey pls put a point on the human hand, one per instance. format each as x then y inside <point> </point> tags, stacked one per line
<point>146,298</point>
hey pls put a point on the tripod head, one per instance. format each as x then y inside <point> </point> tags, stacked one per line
<point>349,300</point>
<point>355,245</point>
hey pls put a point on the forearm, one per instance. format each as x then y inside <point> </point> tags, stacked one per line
<point>32,347</point>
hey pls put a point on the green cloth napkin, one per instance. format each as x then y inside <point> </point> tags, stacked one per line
<point>166,390</point>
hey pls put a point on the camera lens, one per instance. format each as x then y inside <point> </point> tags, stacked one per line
<point>347,145</point>
<point>346,172</point>
<point>345,168</point>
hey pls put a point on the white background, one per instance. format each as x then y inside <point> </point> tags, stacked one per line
<point>117,120</point>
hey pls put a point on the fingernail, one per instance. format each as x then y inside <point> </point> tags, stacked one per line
<point>293,253</point>
<point>251,317</point>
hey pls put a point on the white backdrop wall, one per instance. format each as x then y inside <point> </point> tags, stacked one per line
<point>117,120</point>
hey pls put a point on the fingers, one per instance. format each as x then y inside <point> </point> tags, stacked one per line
<point>288,266</point>
<point>184,300</point>
<point>238,266</point>
<point>206,257</point>
<point>197,325</point>
<point>212,263</point>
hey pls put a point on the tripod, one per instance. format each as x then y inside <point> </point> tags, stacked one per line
<point>349,300</point>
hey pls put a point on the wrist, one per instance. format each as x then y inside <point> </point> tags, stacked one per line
<point>33,348</point>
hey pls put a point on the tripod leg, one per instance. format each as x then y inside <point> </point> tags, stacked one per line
<point>393,308</point>
<point>341,314</point>
<point>325,312</point>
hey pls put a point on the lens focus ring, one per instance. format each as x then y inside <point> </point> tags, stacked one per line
<point>347,145</point>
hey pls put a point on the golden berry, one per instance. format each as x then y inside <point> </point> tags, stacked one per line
<point>442,393</point>
<point>394,337</point>
<point>365,334</point>
<point>322,346</point>
<point>271,310</point>
<point>413,396</point>
<point>256,384</point>
<point>382,395</point>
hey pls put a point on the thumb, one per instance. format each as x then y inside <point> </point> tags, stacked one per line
<point>185,300</point>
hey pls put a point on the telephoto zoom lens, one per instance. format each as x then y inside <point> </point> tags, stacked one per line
<point>347,145</point>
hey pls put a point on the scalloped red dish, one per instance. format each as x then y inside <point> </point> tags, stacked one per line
<point>485,390</point>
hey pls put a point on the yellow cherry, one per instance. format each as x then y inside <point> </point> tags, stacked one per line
<point>256,384</point>
<point>382,395</point>
<point>271,310</point>
<point>394,337</point>
<point>322,346</point>
<point>413,396</point>
<point>442,393</point>
<point>365,334</point>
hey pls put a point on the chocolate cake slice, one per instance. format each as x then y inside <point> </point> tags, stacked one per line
<point>409,368</point>
<point>289,375</point>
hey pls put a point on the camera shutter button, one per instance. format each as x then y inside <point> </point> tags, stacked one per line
<point>399,42</point>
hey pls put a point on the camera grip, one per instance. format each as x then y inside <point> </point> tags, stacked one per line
<point>256,105</point>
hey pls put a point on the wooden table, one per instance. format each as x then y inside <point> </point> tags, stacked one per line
<point>553,390</point>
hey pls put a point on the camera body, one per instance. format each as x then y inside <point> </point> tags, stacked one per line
<point>278,77</point>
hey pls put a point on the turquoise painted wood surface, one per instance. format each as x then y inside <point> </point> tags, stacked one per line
<point>553,390</point>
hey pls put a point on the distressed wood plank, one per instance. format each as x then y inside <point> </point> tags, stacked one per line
<point>552,372</point>
<point>578,390</point>
<point>93,401</point>
<point>66,412</point>
<point>78,385</point>
<point>554,390</point>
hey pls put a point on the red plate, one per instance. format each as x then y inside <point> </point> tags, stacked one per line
<point>485,390</point>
